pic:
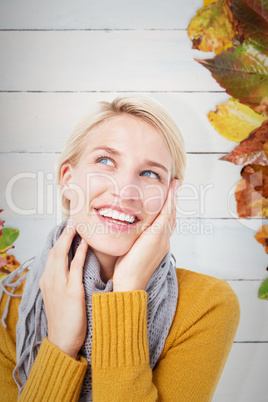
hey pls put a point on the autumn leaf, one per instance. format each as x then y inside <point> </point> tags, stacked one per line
<point>245,195</point>
<point>253,21</point>
<point>9,235</point>
<point>3,262</point>
<point>262,237</point>
<point>234,121</point>
<point>1,226</point>
<point>212,27</point>
<point>252,191</point>
<point>207,2</point>
<point>265,148</point>
<point>257,176</point>
<point>262,206</point>
<point>11,262</point>
<point>243,72</point>
<point>252,150</point>
<point>10,266</point>
<point>263,290</point>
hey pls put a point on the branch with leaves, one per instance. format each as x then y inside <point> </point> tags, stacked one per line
<point>8,263</point>
<point>237,32</point>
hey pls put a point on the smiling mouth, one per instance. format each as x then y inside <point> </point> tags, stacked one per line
<point>117,217</point>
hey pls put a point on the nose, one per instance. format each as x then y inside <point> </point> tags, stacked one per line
<point>128,186</point>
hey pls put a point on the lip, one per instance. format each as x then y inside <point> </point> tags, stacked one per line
<point>114,225</point>
<point>125,210</point>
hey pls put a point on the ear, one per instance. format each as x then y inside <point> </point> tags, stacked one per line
<point>66,178</point>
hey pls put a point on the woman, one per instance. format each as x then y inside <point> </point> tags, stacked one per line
<point>104,312</point>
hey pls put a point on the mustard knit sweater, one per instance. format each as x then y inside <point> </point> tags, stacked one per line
<point>188,369</point>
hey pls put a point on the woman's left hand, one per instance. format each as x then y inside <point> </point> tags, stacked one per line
<point>134,269</point>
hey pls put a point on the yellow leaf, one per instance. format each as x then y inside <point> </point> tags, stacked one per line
<point>207,2</point>
<point>235,121</point>
<point>212,27</point>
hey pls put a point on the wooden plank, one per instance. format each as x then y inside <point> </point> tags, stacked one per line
<point>229,252</point>
<point>101,61</point>
<point>90,14</point>
<point>207,191</point>
<point>218,247</point>
<point>244,377</point>
<point>253,324</point>
<point>41,122</point>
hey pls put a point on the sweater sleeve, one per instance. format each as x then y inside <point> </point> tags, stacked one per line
<point>194,355</point>
<point>55,376</point>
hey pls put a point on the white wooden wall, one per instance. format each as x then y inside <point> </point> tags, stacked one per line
<point>57,56</point>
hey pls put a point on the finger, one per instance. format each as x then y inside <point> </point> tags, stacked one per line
<point>58,254</point>
<point>169,208</point>
<point>171,220</point>
<point>63,244</point>
<point>77,264</point>
<point>166,220</point>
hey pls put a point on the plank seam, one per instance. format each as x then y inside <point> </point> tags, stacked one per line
<point>108,92</point>
<point>250,341</point>
<point>90,29</point>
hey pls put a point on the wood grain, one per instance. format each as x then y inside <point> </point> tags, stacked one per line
<point>41,122</point>
<point>101,61</point>
<point>90,14</point>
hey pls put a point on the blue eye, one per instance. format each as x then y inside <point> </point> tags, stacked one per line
<point>155,175</point>
<point>105,161</point>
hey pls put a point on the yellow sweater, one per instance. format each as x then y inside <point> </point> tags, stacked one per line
<point>188,370</point>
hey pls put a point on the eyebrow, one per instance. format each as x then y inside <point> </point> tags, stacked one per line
<point>113,151</point>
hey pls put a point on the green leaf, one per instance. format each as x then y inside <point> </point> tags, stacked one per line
<point>243,72</point>
<point>9,235</point>
<point>253,20</point>
<point>263,290</point>
<point>212,27</point>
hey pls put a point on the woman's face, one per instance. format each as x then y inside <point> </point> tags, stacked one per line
<point>119,184</point>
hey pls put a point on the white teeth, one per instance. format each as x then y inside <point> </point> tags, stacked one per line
<point>115,214</point>
<point>112,213</point>
<point>122,217</point>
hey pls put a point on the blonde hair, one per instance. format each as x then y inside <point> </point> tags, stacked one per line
<point>140,106</point>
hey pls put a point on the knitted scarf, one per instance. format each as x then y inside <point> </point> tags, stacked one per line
<point>162,290</point>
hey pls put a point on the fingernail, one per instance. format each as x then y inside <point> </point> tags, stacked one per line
<point>82,241</point>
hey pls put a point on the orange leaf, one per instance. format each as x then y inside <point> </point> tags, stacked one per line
<point>11,265</point>
<point>262,206</point>
<point>262,237</point>
<point>252,150</point>
<point>245,196</point>
<point>257,176</point>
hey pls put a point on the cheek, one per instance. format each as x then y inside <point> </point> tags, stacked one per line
<point>88,186</point>
<point>154,200</point>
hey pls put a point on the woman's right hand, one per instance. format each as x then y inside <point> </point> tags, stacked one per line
<point>64,295</point>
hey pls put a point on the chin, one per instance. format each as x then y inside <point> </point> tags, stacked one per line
<point>115,248</point>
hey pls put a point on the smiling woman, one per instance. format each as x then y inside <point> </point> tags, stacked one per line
<point>105,314</point>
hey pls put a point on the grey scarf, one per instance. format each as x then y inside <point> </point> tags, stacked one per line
<point>162,290</point>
